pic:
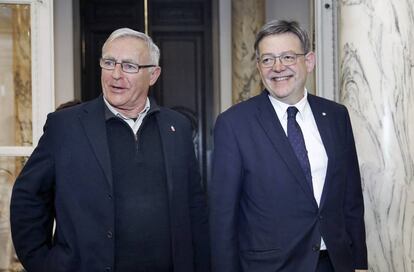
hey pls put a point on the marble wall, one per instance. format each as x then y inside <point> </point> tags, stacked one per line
<point>376,47</point>
<point>247,19</point>
<point>15,112</point>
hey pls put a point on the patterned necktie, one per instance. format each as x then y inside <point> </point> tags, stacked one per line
<point>297,142</point>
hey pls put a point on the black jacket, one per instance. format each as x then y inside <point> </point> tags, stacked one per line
<point>68,178</point>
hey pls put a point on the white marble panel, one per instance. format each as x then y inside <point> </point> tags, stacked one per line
<point>376,44</point>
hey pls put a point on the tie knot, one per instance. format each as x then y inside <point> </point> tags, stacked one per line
<point>292,111</point>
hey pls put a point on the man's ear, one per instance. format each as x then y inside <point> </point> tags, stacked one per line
<point>310,61</point>
<point>155,74</point>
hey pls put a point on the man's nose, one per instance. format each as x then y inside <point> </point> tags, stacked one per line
<point>278,65</point>
<point>117,71</point>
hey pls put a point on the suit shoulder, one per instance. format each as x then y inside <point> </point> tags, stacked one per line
<point>172,114</point>
<point>180,118</point>
<point>79,108</point>
<point>68,111</point>
<point>327,104</point>
<point>62,118</point>
<point>242,108</point>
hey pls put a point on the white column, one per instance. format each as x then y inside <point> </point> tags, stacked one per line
<point>376,45</point>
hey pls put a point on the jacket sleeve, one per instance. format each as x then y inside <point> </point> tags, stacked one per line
<point>224,194</point>
<point>354,203</point>
<point>198,212</point>
<point>31,208</point>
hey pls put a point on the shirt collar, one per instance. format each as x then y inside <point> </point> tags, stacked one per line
<point>113,112</point>
<point>281,108</point>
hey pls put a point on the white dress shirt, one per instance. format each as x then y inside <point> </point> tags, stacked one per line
<point>316,150</point>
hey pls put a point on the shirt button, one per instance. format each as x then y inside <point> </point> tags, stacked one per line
<point>108,269</point>
<point>316,247</point>
<point>320,217</point>
<point>109,234</point>
<point>110,197</point>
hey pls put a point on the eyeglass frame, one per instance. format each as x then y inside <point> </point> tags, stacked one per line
<point>122,63</point>
<point>280,57</point>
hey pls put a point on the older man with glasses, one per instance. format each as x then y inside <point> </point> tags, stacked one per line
<point>119,177</point>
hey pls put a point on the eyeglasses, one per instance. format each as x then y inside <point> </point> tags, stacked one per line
<point>287,58</point>
<point>127,67</point>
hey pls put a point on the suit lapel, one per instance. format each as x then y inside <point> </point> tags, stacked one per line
<point>323,122</point>
<point>167,131</point>
<point>270,123</point>
<point>93,122</point>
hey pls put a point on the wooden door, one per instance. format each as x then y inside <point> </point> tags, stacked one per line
<point>99,18</point>
<point>182,30</point>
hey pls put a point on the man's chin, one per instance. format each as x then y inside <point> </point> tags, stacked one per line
<point>279,93</point>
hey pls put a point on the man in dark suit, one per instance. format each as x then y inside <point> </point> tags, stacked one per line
<point>285,193</point>
<point>118,175</point>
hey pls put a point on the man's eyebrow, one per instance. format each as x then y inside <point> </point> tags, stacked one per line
<point>129,60</point>
<point>281,53</point>
<point>123,60</point>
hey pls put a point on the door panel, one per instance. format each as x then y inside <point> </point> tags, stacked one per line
<point>99,18</point>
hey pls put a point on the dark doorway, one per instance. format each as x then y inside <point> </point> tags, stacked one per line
<point>182,30</point>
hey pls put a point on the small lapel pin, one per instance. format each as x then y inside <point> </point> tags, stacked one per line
<point>323,113</point>
<point>172,128</point>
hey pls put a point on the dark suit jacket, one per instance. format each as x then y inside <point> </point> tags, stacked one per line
<point>68,177</point>
<point>263,215</point>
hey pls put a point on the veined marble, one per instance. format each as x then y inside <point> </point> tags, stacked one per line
<point>247,19</point>
<point>376,44</point>
<point>15,111</point>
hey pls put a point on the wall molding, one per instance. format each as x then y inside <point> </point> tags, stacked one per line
<point>326,40</point>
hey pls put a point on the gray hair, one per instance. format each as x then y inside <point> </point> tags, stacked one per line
<point>127,32</point>
<point>279,27</point>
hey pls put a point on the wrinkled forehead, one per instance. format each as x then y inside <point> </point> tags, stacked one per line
<point>127,47</point>
<point>139,43</point>
<point>278,43</point>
